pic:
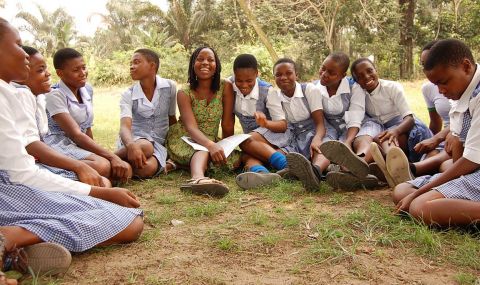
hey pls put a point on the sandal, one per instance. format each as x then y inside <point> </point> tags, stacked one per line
<point>172,164</point>
<point>302,168</point>
<point>205,186</point>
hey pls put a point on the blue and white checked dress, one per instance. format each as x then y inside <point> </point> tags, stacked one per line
<point>76,222</point>
<point>465,187</point>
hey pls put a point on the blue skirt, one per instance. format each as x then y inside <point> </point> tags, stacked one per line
<point>76,222</point>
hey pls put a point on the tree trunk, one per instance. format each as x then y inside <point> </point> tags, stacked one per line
<point>263,37</point>
<point>407,8</point>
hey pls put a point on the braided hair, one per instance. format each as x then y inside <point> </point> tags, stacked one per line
<point>192,77</point>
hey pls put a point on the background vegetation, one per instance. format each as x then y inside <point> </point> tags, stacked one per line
<point>393,31</point>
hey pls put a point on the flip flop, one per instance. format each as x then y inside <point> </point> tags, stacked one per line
<point>249,180</point>
<point>302,168</point>
<point>348,181</point>
<point>398,166</point>
<point>380,161</point>
<point>205,186</point>
<point>338,153</point>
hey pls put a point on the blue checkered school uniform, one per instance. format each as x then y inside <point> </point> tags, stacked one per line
<point>249,124</point>
<point>56,137</point>
<point>465,187</point>
<point>154,126</point>
<point>76,222</point>
<point>301,133</point>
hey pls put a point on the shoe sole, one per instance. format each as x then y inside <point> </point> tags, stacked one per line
<point>378,157</point>
<point>209,189</point>
<point>250,180</point>
<point>340,154</point>
<point>348,181</point>
<point>47,258</point>
<point>398,166</point>
<point>377,172</point>
<point>300,167</point>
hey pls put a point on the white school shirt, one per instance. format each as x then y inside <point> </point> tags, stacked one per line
<point>39,105</point>
<point>57,103</point>
<point>294,108</point>
<point>334,105</point>
<point>387,101</point>
<point>14,159</point>
<point>145,107</point>
<point>436,101</point>
<point>246,105</point>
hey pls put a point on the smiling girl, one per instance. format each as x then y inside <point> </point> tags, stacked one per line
<point>207,102</point>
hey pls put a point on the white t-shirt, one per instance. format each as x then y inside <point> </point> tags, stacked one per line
<point>436,101</point>
<point>246,105</point>
<point>18,128</point>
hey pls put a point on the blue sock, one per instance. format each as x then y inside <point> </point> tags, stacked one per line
<point>259,168</point>
<point>278,161</point>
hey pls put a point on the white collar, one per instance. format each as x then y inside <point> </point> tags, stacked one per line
<point>343,88</point>
<point>297,94</point>
<point>377,89</point>
<point>137,92</point>
<point>83,92</point>
<point>253,94</point>
<point>463,103</point>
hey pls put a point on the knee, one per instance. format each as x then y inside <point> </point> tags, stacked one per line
<point>147,147</point>
<point>102,166</point>
<point>400,191</point>
<point>106,182</point>
<point>419,210</point>
<point>148,170</point>
<point>134,230</point>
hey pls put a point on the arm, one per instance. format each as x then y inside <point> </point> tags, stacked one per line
<point>355,114</point>
<point>403,128</point>
<point>172,120</point>
<point>135,154</point>
<point>172,110</point>
<point>190,124</point>
<point>274,126</point>
<point>228,117</point>
<point>48,156</point>
<point>89,133</point>
<point>278,123</point>
<point>431,143</point>
<point>318,119</point>
<point>436,121</point>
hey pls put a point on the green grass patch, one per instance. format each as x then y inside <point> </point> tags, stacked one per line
<point>207,209</point>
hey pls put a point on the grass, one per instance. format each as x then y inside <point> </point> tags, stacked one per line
<point>288,231</point>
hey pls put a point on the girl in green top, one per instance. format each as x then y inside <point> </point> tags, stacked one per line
<point>208,101</point>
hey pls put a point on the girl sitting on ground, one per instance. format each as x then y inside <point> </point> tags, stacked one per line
<point>255,113</point>
<point>207,102</point>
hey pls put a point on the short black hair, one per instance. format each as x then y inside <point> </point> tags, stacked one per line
<point>340,58</point>
<point>150,56</point>
<point>192,77</point>
<point>245,61</point>
<point>63,55</point>
<point>4,25</point>
<point>285,60</point>
<point>30,50</point>
<point>357,62</point>
<point>429,45</point>
<point>450,52</point>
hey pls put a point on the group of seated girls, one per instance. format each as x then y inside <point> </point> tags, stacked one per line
<point>351,132</point>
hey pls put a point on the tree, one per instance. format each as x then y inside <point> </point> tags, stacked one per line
<point>263,37</point>
<point>407,8</point>
<point>51,31</point>
<point>187,20</point>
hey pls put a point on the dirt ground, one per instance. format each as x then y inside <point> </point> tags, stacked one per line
<point>257,237</point>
